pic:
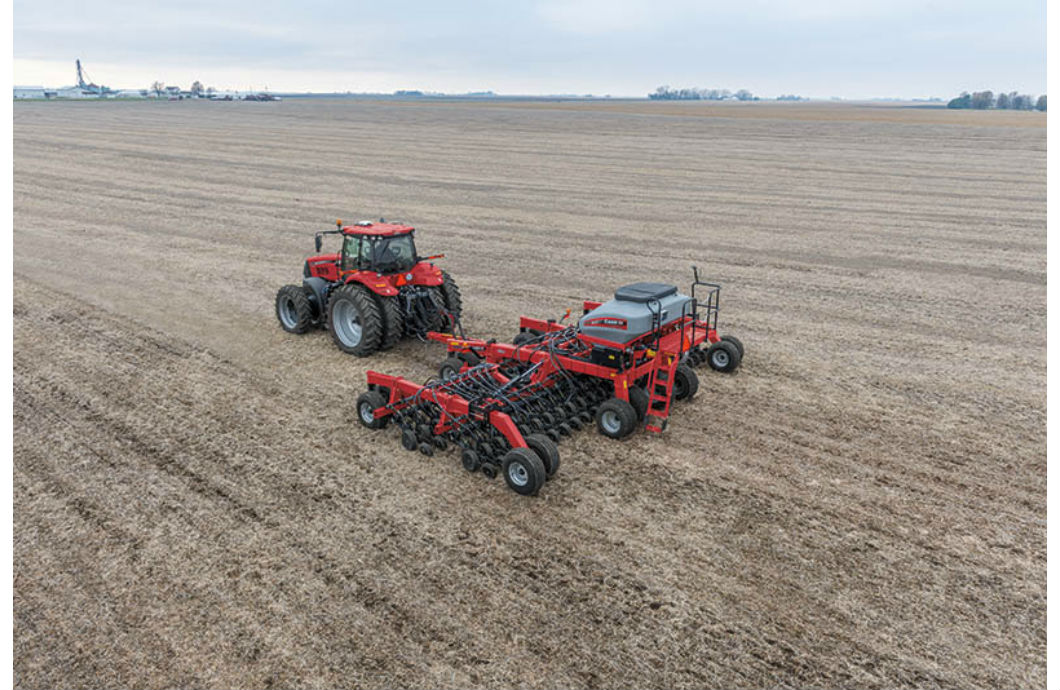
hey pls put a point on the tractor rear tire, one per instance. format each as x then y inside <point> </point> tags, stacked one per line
<point>451,294</point>
<point>616,419</point>
<point>546,450</point>
<point>393,324</point>
<point>293,309</point>
<point>686,383</point>
<point>638,398</point>
<point>723,356</point>
<point>450,368</point>
<point>523,471</point>
<point>735,341</point>
<point>354,320</point>
<point>367,404</point>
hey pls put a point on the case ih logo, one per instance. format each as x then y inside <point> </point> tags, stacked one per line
<point>607,322</point>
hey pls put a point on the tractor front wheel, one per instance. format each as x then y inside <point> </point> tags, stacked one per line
<point>293,309</point>
<point>354,320</point>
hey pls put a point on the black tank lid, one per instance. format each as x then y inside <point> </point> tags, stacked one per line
<point>644,292</point>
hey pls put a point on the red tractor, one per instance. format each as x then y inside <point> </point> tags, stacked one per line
<point>372,292</point>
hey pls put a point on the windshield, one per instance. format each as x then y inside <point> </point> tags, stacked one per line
<point>395,253</point>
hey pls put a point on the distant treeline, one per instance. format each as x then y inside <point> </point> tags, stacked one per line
<point>985,100</point>
<point>665,93</point>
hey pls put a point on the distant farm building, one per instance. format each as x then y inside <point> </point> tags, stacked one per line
<point>22,92</point>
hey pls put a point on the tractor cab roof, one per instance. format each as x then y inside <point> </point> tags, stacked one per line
<point>376,229</point>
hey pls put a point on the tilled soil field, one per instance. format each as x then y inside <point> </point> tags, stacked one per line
<point>862,504</point>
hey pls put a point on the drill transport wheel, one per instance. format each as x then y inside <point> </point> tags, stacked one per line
<point>686,383</point>
<point>546,450</point>
<point>450,368</point>
<point>523,471</point>
<point>616,419</point>
<point>367,404</point>
<point>723,356</point>
<point>735,341</point>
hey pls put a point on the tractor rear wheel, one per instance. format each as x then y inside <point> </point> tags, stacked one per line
<point>293,309</point>
<point>616,419</point>
<point>723,356</point>
<point>451,294</point>
<point>546,450</point>
<point>354,320</point>
<point>686,383</point>
<point>367,404</point>
<point>523,471</point>
<point>393,324</point>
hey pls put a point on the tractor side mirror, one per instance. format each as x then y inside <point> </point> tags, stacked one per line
<point>319,242</point>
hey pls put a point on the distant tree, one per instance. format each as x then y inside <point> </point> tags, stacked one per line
<point>744,95</point>
<point>1022,101</point>
<point>961,102</point>
<point>981,100</point>
<point>1003,102</point>
<point>1040,105</point>
<point>158,87</point>
<point>210,90</point>
<point>196,88</point>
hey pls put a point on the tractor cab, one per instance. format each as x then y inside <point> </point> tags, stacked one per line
<point>378,247</point>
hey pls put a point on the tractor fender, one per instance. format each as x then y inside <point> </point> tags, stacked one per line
<point>374,282</point>
<point>317,290</point>
<point>427,274</point>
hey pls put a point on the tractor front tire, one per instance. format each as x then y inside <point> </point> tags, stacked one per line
<point>616,419</point>
<point>723,356</point>
<point>354,320</point>
<point>393,324</point>
<point>523,471</point>
<point>451,294</point>
<point>293,309</point>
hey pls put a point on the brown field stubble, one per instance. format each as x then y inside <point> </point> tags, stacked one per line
<point>863,504</point>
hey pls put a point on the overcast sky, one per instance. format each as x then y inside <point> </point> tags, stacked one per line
<point>851,49</point>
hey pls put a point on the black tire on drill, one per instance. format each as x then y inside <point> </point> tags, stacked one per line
<point>638,398</point>
<point>352,305</point>
<point>367,404</point>
<point>523,471</point>
<point>546,450</point>
<point>735,341</point>
<point>293,309</point>
<point>450,368</point>
<point>616,419</point>
<point>393,324</point>
<point>686,382</point>
<point>723,356</point>
<point>451,295</point>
